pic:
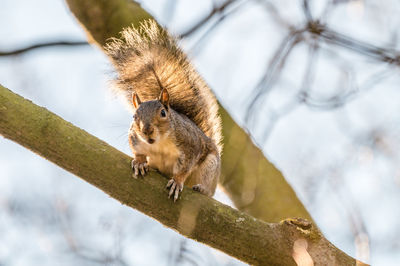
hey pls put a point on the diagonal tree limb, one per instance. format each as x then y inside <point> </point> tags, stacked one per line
<point>254,184</point>
<point>194,215</point>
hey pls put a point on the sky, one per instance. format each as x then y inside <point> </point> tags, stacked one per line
<point>350,188</point>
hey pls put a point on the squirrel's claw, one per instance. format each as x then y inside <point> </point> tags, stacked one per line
<point>139,168</point>
<point>174,189</point>
<point>199,188</point>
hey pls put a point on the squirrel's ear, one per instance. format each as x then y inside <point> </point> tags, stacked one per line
<point>136,100</point>
<point>164,97</point>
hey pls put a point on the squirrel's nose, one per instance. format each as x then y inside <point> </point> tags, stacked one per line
<point>148,130</point>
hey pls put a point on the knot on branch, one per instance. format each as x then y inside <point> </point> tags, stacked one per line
<point>315,27</point>
<point>300,224</point>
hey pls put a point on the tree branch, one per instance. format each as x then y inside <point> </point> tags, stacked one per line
<point>216,10</point>
<point>194,215</point>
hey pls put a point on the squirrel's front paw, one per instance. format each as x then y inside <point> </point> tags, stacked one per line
<point>174,188</point>
<point>139,167</point>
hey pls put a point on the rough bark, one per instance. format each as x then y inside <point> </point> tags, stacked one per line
<point>254,184</point>
<point>194,215</point>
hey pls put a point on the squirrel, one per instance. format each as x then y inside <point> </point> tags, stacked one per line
<point>176,127</point>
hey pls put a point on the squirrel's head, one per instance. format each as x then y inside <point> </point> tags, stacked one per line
<point>151,118</point>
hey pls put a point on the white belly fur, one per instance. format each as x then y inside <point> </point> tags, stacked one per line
<point>161,155</point>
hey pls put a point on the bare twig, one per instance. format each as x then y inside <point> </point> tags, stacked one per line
<point>43,45</point>
<point>306,10</point>
<point>375,52</point>
<point>272,72</point>
<point>216,10</point>
<point>216,24</point>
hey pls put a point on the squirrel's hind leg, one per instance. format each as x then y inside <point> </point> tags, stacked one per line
<point>207,174</point>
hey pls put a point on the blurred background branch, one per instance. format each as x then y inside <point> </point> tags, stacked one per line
<point>44,45</point>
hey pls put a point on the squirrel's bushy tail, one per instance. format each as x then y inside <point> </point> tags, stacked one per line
<point>149,53</point>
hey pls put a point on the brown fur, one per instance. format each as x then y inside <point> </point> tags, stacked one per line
<point>176,127</point>
<point>148,55</point>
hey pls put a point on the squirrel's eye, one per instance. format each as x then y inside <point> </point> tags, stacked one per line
<point>163,113</point>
